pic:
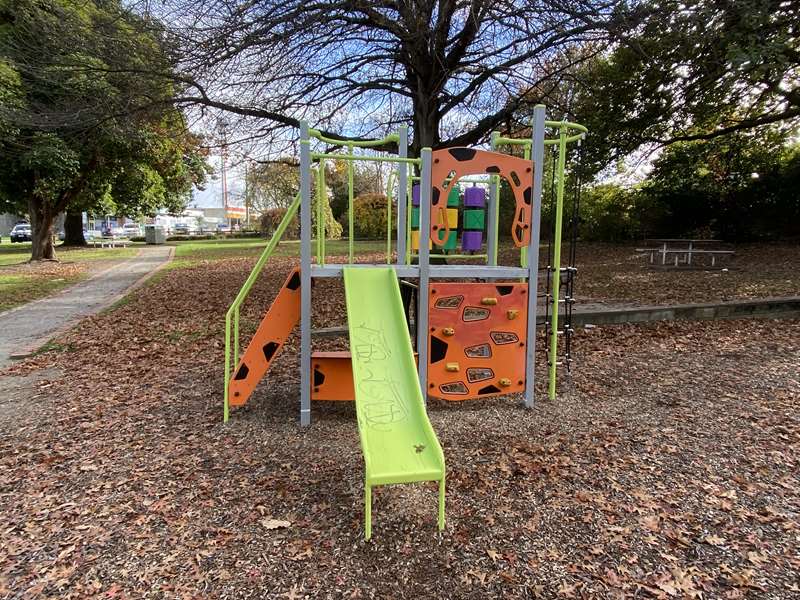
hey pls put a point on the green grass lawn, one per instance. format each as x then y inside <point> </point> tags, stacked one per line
<point>12,254</point>
<point>20,289</point>
<point>21,283</point>
<point>234,248</point>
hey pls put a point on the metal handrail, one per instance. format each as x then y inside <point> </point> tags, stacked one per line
<point>393,137</point>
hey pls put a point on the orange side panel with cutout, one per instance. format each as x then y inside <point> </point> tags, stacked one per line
<point>269,338</point>
<point>476,339</point>
<point>450,164</point>
<point>332,376</point>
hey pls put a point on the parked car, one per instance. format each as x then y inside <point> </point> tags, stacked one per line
<point>132,230</point>
<point>223,228</point>
<point>21,233</point>
<point>181,229</point>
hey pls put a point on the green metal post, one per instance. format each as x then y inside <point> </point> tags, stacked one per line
<point>225,407</point>
<point>350,204</point>
<point>495,180</point>
<point>556,266</point>
<point>321,197</point>
<point>409,207</point>
<point>389,219</point>
<point>236,336</point>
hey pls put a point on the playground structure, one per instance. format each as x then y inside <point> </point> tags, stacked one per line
<point>475,338</point>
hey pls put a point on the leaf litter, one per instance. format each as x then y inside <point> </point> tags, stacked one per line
<point>666,468</point>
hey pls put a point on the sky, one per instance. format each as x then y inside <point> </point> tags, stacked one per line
<point>211,196</point>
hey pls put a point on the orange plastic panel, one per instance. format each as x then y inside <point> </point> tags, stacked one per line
<point>269,338</point>
<point>489,351</point>
<point>332,376</point>
<point>450,164</point>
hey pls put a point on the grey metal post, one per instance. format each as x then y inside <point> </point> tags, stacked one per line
<point>305,275</point>
<point>402,185</point>
<point>491,207</point>
<point>537,156</point>
<point>424,272</point>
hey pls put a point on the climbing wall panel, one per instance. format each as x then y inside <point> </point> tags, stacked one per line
<point>476,339</point>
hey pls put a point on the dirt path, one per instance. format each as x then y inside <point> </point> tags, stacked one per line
<point>26,328</point>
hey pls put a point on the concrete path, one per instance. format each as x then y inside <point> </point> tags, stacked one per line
<point>26,328</point>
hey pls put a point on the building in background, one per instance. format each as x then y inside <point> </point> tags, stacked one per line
<point>7,222</point>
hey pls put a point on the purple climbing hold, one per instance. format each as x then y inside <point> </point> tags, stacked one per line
<point>471,240</point>
<point>475,197</point>
<point>415,195</point>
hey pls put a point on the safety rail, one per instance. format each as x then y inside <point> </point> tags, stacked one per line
<point>232,316</point>
<point>351,158</point>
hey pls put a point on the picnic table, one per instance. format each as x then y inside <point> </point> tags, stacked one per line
<point>109,243</point>
<point>683,249</point>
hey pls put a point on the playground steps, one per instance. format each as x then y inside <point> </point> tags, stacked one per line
<point>397,440</point>
<point>272,333</point>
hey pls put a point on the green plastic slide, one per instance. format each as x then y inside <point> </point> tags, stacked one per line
<point>397,439</point>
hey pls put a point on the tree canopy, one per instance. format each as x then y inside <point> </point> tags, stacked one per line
<point>82,129</point>
<point>688,70</point>
<point>453,70</point>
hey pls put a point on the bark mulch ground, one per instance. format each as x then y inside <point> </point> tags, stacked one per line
<point>667,468</point>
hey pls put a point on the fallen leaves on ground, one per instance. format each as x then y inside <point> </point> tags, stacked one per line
<point>614,273</point>
<point>666,468</point>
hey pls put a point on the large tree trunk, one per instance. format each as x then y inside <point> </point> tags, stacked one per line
<point>41,231</point>
<point>73,229</point>
<point>426,124</point>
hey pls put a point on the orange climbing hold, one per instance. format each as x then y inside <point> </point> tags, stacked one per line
<point>269,338</point>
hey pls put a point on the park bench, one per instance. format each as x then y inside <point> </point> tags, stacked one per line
<point>110,243</point>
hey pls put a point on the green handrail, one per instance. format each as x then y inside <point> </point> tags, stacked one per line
<point>233,311</point>
<point>389,188</point>
<point>556,266</point>
<point>350,227</point>
<point>393,137</point>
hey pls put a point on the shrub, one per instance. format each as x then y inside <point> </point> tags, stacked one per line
<point>610,213</point>
<point>271,218</point>
<point>369,216</point>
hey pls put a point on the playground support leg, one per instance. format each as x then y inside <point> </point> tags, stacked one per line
<point>402,186</point>
<point>350,205</point>
<point>441,505</point>
<point>424,270</point>
<point>305,275</point>
<point>367,511</point>
<point>225,407</point>
<point>537,147</point>
<point>556,266</point>
<point>491,211</point>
